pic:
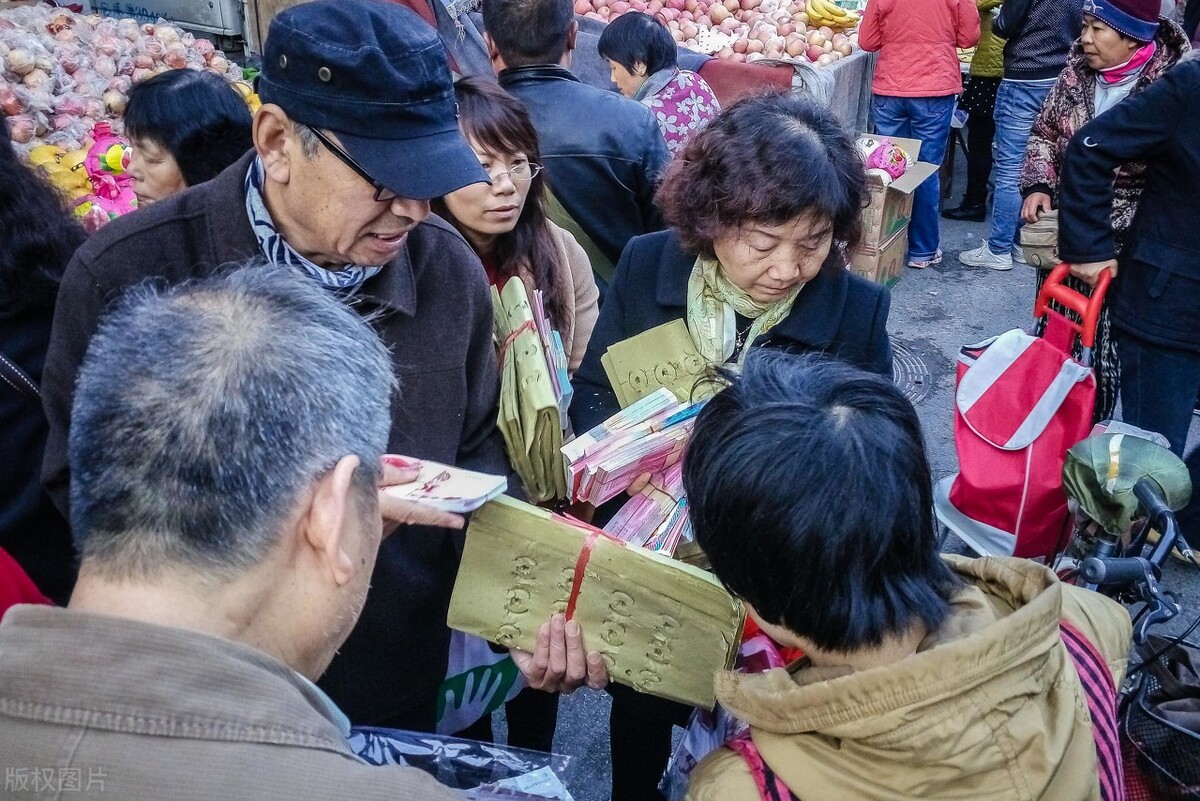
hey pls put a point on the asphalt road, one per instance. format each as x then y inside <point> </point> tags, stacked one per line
<point>934,312</point>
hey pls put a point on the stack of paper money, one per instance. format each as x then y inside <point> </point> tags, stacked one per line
<point>534,391</point>
<point>656,518</point>
<point>646,438</point>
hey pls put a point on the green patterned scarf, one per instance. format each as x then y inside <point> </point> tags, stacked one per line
<point>712,305</point>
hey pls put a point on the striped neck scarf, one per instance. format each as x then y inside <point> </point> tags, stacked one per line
<point>277,251</point>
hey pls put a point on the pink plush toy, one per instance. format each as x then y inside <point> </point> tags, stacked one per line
<point>888,158</point>
<point>112,188</point>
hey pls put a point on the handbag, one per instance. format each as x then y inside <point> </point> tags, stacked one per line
<point>1039,240</point>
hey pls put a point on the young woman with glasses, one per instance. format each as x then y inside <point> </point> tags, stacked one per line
<point>505,221</point>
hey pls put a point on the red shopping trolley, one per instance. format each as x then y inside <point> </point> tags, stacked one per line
<point>1020,402</point>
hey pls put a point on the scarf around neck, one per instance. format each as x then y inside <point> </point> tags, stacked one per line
<point>1122,72</point>
<point>277,251</point>
<point>713,303</point>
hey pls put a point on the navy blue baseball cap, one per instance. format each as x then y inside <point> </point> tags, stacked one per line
<point>375,74</point>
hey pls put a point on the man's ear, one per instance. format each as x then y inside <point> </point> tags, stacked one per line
<point>325,530</point>
<point>274,136</point>
<point>493,53</point>
<point>571,33</point>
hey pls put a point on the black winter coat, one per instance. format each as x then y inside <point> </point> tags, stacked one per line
<point>31,529</point>
<point>838,313</point>
<point>603,153</point>
<point>1157,290</point>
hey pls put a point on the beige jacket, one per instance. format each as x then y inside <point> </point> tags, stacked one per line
<point>580,284</point>
<point>990,708</point>
<point>107,708</point>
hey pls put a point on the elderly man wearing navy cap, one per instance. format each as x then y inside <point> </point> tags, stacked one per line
<point>357,132</point>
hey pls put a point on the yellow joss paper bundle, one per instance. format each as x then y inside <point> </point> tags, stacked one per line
<point>663,627</point>
<point>531,400</point>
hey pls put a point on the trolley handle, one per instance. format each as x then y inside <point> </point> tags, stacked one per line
<point>1088,308</point>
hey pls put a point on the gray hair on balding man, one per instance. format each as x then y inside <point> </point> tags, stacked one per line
<point>202,415</point>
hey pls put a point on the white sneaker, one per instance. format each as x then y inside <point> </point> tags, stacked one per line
<point>1018,255</point>
<point>983,256</point>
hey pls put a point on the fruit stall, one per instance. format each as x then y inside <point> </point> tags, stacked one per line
<point>66,79</point>
<point>737,45</point>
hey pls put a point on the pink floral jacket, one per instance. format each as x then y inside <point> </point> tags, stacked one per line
<point>682,102</point>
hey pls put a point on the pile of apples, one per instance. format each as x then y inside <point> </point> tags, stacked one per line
<point>755,29</point>
<point>64,72</point>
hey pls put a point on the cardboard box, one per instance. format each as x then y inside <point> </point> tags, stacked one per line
<point>883,265</point>
<point>663,627</point>
<point>890,207</point>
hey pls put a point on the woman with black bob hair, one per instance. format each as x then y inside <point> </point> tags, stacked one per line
<point>643,59</point>
<point>38,236</point>
<point>763,206</point>
<point>924,676</point>
<point>184,126</point>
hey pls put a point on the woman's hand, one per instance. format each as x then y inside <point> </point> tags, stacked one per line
<point>395,512</point>
<point>1034,206</point>
<point>558,663</point>
<point>1090,273</point>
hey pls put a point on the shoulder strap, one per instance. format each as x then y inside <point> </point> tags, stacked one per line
<point>1101,695</point>
<point>770,786</point>
<point>557,212</point>
<point>19,380</point>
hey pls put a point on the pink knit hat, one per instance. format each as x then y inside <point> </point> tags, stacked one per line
<point>1137,19</point>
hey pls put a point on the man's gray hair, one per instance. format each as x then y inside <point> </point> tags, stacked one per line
<point>203,413</point>
<point>309,143</point>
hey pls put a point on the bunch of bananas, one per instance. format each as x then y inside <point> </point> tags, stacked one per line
<point>824,12</point>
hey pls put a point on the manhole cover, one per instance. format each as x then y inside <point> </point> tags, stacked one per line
<point>909,372</point>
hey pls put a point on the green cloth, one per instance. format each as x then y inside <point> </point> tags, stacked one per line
<point>1100,473</point>
<point>713,302</point>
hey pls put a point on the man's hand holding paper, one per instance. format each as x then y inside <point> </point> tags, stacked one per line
<point>396,471</point>
<point>559,663</point>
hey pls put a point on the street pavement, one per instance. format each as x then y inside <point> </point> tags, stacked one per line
<point>934,312</point>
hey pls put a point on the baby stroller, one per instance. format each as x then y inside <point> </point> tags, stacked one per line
<point>1020,402</point>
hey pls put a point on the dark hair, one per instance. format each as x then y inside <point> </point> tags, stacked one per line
<point>497,122</point>
<point>198,117</point>
<point>767,158</point>
<point>634,37</point>
<point>38,232</point>
<point>811,495</point>
<point>529,31</point>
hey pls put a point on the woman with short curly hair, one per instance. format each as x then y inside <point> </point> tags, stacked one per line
<point>763,206</point>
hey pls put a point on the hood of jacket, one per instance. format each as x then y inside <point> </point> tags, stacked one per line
<point>987,709</point>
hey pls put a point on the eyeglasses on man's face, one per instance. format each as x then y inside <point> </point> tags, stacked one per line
<point>382,193</point>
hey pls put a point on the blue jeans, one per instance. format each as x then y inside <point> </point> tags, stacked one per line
<point>1017,106</point>
<point>1158,391</point>
<point>927,119</point>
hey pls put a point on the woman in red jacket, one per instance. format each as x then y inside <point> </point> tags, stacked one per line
<point>916,81</point>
